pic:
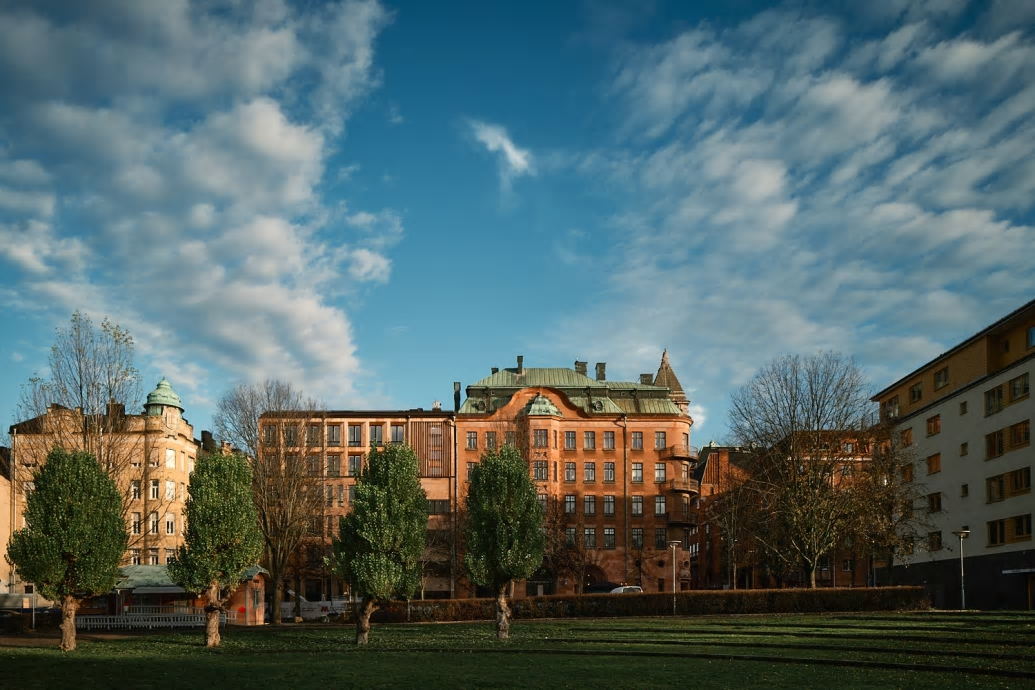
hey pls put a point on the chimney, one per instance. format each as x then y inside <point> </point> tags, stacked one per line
<point>647,379</point>
<point>456,396</point>
<point>495,370</point>
<point>207,443</point>
<point>601,371</point>
<point>436,405</point>
<point>521,365</point>
<point>580,367</point>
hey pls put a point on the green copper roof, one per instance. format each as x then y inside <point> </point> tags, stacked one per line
<point>164,395</point>
<point>541,405</point>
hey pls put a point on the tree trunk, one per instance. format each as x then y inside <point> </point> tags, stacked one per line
<point>298,596</point>
<point>890,570</point>
<point>69,604</point>
<point>502,614</point>
<point>212,610</point>
<point>278,600</point>
<point>363,621</point>
<point>810,575</point>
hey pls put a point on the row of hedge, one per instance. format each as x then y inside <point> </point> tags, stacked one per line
<point>693,603</point>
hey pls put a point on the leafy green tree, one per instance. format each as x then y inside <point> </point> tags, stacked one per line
<point>222,538</point>
<point>380,542</point>
<point>74,536</point>
<point>504,527</point>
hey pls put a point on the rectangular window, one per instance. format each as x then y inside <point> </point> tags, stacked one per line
<point>170,458</point>
<point>153,520</point>
<point>341,495</point>
<point>170,556</point>
<point>589,536</point>
<point>637,506</point>
<point>963,407</point>
<point>314,466</point>
<point>355,465</point>
<point>541,469</point>
<point>1020,480</point>
<point>637,473</point>
<point>609,506</point>
<point>1022,527</point>
<point>377,434</point>
<point>472,440</point>
<point>934,502</point>
<point>609,440</point>
<point>637,440</point>
<point>1019,387</point>
<point>543,499</point>
<point>291,435</point>
<point>941,378</point>
<point>994,444</point>
<point>541,438</point>
<point>438,506</point>
<point>152,556</point>
<point>312,435</point>
<point>934,541</point>
<point>490,440</point>
<point>1031,336</point>
<point>470,469</point>
<point>134,556</point>
<point>637,537</point>
<point>609,537</point>
<point>569,536</point>
<point>510,437</point>
<point>569,440</point>
<point>993,400</point>
<point>136,523</point>
<point>134,489</point>
<point>916,392</point>
<point>334,435</point>
<point>890,408</point>
<point>355,435</point>
<point>331,524</point>
<point>996,532</point>
<point>660,509</point>
<point>154,489</point>
<point>589,505</point>
<point>995,488</point>
<point>170,491</point>
<point>659,440</point>
<point>569,471</point>
<point>398,433</point>
<point>934,463</point>
<point>964,448</point>
<point>269,434</point>
<point>659,472</point>
<point>589,472</point>
<point>609,472</point>
<point>847,565</point>
<point>589,440</point>
<point>1020,434</point>
<point>170,524</point>
<point>352,493</point>
<point>569,504</point>
<point>660,539</point>
<point>333,465</point>
<point>330,496</point>
<point>907,437</point>
<point>964,490</point>
<point>934,425</point>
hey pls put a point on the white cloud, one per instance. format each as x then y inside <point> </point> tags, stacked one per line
<point>366,266</point>
<point>513,161</point>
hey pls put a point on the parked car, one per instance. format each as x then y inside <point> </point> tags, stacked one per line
<point>627,589</point>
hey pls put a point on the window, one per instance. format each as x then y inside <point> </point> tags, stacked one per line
<point>660,538</point>
<point>891,408</point>
<point>355,465</point>
<point>134,556</point>
<point>269,434</point>
<point>341,495</point>
<point>154,489</point>
<point>934,541</point>
<point>314,466</point>
<point>170,523</point>
<point>330,495</point>
<point>569,536</point>
<point>637,506</point>
<point>589,440</point>
<point>312,435</point>
<point>964,490</point>
<point>609,506</point>
<point>136,523</point>
<point>569,440</point>
<point>934,502</point>
<point>609,440</point>
<point>170,491</point>
<point>510,438</point>
<point>907,473</point>
<point>134,489</point>
<point>153,520</point>
<point>637,537</point>
<point>333,465</point>
<point>291,435</point>
<point>490,440</point>
<point>334,435</point>
<point>170,458</point>
<point>170,556</point>
<point>963,407</point>
<point>589,505</point>
<point>659,440</point>
<point>659,472</point>
<point>964,448</point>
<point>331,523</point>
<point>659,506</point>
<point>1022,527</point>
<point>589,472</point>
<point>637,473</point>
<point>541,438</point>
<point>152,556</point>
<point>398,433</point>
<point>438,506</point>
<point>352,493</point>
<point>355,435</point>
<point>637,440</point>
<point>589,537</point>
<point>472,440</point>
<point>1031,336</point>
<point>996,532</point>
<point>995,488</point>
<point>934,463</point>
<point>609,537</point>
<point>609,472</point>
<point>934,425</point>
<point>470,469</point>
<point>847,565</point>
<point>541,470</point>
<point>994,444</point>
<point>569,471</point>
<point>993,400</point>
<point>1020,481</point>
<point>377,434</point>
<point>916,392</point>
<point>1019,387</point>
<point>907,437</point>
<point>1020,434</point>
<point>941,378</point>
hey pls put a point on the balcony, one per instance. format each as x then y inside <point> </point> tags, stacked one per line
<point>691,486</point>
<point>679,518</point>
<point>679,452</point>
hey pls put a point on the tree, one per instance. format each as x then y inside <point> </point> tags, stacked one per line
<point>728,513</point>
<point>271,421</point>
<point>565,554</point>
<point>381,541</point>
<point>503,534</point>
<point>804,417</point>
<point>74,536</point>
<point>222,538</point>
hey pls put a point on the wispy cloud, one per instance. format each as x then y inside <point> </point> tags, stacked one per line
<point>513,161</point>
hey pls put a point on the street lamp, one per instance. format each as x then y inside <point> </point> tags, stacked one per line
<point>962,534</point>
<point>673,545</point>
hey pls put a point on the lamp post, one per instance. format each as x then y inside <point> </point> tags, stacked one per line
<point>962,534</point>
<point>673,545</point>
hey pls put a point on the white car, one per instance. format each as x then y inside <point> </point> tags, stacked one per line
<point>627,589</point>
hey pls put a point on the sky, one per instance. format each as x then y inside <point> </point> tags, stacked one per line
<point>373,200</point>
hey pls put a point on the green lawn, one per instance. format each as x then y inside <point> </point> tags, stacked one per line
<point>945,650</point>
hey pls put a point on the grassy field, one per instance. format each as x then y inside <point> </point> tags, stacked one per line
<point>942,649</point>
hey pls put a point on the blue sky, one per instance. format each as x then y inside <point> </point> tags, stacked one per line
<point>373,200</point>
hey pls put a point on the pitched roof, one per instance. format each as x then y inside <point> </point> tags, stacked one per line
<point>666,378</point>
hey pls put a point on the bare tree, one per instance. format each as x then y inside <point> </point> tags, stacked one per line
<point>566,554</point>
<point>729,514</point>
<point>281,430</point>
<point>803,416</point>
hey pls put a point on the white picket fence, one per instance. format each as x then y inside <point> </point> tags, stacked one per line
<point>138,620</point>
<point>315,609</point>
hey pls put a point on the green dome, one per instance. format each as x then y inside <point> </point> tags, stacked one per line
<point>541,405</point>
<point>164,395</point>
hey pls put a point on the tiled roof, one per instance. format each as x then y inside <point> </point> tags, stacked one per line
<point>667,379</point>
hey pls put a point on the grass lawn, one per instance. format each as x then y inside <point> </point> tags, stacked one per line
<point>938,649</point>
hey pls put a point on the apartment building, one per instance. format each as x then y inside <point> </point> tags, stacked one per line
<point>613,457</point>
<point>150,455</point>
<point>967,414</point>
<point>7,518</point>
